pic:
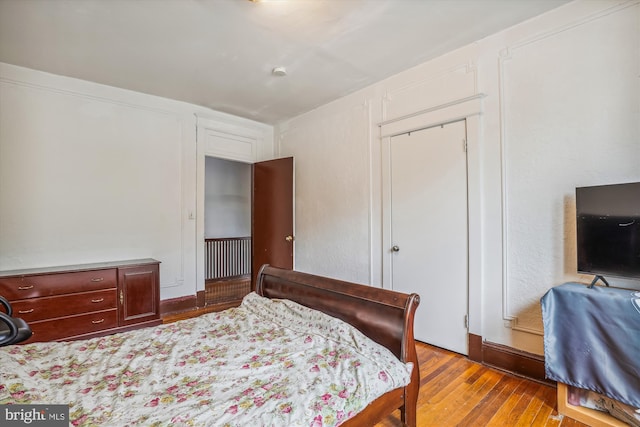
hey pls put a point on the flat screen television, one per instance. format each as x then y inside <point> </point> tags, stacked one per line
<point>608,230</point>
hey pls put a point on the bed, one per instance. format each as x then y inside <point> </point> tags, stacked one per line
<point>272,361</point>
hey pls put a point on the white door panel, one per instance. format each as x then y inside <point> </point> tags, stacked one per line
<point>429,230</point>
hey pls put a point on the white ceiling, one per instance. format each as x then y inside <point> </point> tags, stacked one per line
<point>220,53</point>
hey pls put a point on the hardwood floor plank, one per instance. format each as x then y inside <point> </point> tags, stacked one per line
<point>491,402</point>
<point>531,411</point>
<point>455,391</point>
<point>439,410</point>
<point>570,422</point>
<point>516,404</point>
<point>548,407</point>
<point>464,400</point>
<point>437,365</point>
<point>449,379</point>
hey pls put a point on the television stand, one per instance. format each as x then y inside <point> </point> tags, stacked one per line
<point>595,280</point>
<point>612,369</point>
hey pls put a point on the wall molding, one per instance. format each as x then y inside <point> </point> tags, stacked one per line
<point>85,95</point>
<point>508,359</point>
<point>230,146</point>
<point>505,55</point>
<point>237,142</point>
<point>374,198</point>
<point>173,115</point>
<point>449,112</point>
<point>182,304</point>
<point>462,75</point>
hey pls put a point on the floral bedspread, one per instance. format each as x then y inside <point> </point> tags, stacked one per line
<point>265,363</point>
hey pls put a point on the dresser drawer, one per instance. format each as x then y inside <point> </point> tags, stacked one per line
<point>66,327</point>
<point>17,288</point>
<point>35,309</point>
<point>84,300</point>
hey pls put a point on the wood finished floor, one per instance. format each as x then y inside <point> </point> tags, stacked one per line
<point>455,391</point>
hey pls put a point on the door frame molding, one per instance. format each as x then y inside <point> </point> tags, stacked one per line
<point>234,137</point>
<point>469,109</point>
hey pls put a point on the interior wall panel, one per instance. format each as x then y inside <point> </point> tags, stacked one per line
<point>332,193</point>
<point>570,101</point>
<point>88,180</point>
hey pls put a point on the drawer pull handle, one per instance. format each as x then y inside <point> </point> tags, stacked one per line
<point>25,288</point>
<point>97,279</point>
<point>95,322</point>
<point>25,311</point>
<point>97,300</point>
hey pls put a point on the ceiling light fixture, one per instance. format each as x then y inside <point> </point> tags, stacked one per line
<point>279,71</point>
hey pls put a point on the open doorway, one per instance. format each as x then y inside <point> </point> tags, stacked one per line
<point>227,231</point>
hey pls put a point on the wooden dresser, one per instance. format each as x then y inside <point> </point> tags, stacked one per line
<point>87,300</point>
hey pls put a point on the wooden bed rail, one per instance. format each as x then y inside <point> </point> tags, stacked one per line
<point>383,315</point>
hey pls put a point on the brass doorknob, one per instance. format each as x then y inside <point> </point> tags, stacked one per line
<point>289,238</point>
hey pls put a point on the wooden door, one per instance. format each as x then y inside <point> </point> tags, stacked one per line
<point>139,296</point>
<point>272,215</point>
<point>429,230</point>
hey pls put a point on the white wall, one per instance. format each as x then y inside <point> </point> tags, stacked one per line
<point>227,198</point>
<point>332,192</point>
<point>562,109</point>
<point>91,173</point>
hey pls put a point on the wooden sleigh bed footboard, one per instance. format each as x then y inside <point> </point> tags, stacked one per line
<point>384,316</point>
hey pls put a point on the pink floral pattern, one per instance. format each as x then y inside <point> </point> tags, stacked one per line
<point>267,362</point>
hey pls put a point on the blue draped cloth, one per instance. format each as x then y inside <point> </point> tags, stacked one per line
<point>592,339</point>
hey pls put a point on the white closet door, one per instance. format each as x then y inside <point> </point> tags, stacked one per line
<point>429,230</point>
